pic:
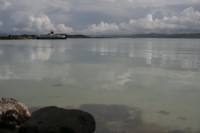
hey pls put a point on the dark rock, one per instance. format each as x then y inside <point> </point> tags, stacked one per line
<point>58,120</point>
<point>10,119</point>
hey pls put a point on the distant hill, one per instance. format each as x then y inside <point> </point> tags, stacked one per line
<point>78,36</point>
<point>154,35</point>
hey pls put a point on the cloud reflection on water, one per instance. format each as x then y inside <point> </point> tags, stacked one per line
<point>151,73</point>
<point>134,52</point>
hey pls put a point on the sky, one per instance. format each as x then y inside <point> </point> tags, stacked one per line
<point>99,17</point>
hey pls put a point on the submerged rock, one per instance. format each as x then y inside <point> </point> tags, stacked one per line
<point>58,120</point>
<point>114,118</point>
<point>12,113</point>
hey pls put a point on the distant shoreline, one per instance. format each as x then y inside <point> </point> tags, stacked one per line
<point>26,37</point>
<point>150,35</point>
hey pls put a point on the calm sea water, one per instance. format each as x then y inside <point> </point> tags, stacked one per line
<point>161,77</point>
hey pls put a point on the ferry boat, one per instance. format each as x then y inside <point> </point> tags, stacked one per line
<point>52,35</point>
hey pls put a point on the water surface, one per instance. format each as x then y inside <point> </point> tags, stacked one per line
<point>159,76</point>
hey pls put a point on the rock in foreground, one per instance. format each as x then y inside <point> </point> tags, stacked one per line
<point>57,120</point>
<point>12,113</point>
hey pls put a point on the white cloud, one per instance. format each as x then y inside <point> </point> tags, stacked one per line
<point>99,16</point>
<point>40,23</point>
<point>63,29</point>
<point>188,21</point>
<point>33,16</point>
<point>43,24</point>
<point>103,27</point>
<point>191,14</point>
<point>4,4</point>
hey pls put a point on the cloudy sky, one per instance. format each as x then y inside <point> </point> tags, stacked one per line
<point>99,16</point>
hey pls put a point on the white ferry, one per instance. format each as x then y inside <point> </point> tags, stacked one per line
<point>52,35</point>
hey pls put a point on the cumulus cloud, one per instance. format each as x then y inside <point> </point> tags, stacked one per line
<point>39,23</point>
<point>103,27</point>
<point>99,16</point>
<point>42,23</point>
<point>63,28</point>
<point>187,21</point>
<point>34,16</point>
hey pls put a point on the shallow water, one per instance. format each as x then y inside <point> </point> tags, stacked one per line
<point>161,77</point>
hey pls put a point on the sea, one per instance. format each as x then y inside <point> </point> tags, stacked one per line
<point>144,85</point>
